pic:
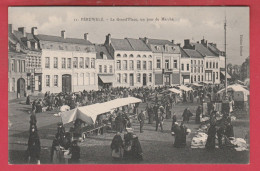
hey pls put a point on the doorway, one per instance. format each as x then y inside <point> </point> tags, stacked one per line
<point>66,83</point>
<point>21,87</point>
<point>144,80</point>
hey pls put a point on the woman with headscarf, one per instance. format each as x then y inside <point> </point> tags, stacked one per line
<point>34,146</point>
<point>117,147</point>
<point>210,144</point>
<point>136,151</point>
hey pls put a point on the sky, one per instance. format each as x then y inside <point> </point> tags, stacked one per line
<point>192,23</point>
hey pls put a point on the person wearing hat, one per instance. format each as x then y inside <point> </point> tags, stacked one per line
<point>186,115</point>
<point>141,118</point>
<point>34,146</point>
<point>198,114</point>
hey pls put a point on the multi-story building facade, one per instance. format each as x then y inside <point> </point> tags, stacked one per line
<point>185,64</point>
<point>16,66</point>
<point>105,67</point>
<point>196,62</point>
<point>211,62</point>
<point>68,64</point>
<point>133,62</point>
<point>166,59</point>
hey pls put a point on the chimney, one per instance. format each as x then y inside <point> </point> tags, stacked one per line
<point>86,36</point>
<point>108,39</point>
<point>173,42</point>
<point>203,42</point>
<point>145,40</point>
<point>63,35</point>
<point>178,44</point>
<point>34,31</point>
<point>187,42</point>
<point>22,30</point>
<point>10,28</point>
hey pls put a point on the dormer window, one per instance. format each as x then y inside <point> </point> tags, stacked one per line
<point>103,55</point>
<point>157,47</point>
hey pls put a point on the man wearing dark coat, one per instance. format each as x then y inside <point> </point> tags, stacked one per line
<point>186,115</point>
<point>119,123</point>
<point>198,114</point>
<point>177,134</point>
<point>34,146</point>
<point>141,118</point>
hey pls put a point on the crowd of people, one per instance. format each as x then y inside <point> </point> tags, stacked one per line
<point>158,108</point>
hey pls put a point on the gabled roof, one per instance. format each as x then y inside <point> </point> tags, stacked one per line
<point>203,50</point>
<point>183,53</point>
<point>102,49</point>
<point>129,44</point>
<point>138,45</point>
<point>159,42</point>
<point>51,38</point>
<point>214,49</point>
<point>121,44</point>
<point>193,53</point>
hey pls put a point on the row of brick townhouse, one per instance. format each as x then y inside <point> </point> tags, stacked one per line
<point>42,63</point>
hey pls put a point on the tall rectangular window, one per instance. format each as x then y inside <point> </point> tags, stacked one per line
<point>216,75</point>
<point>87,62</point>
<point>182,67</point>
<point>167,66</point>
<point>150,78</point>
<point>191,69</point>
<point>13,84</point>
<point>213,64</point>
<point>124,64</point>
<point>118,64</point>
<point>47,80</point>
<point>198,78</point>
<point>175,64</point>
<point>158,63</point>
<point>81,62</point>
<point>207,65</point>
<point>138,65</point>
<point>75,62</point>
<point>92,62</point>
<point>198,63</point>
<point>202,78</point>
<point>47,62</point>
<point>138,77</point>
<point>188,67</point>
<point>63,63</point>
<point>198,69</point>
<point>195,63</point>
<point>210,64</point>
<point>216,64</point>
<point>13,62</point>
<point>69,63</point>
<point>125,78</point>
<point>131,65</point>
<point>105,69</point>
<point>144,65</point>
<point>191,61</point>
<point>118,78</point>
<point>194,78</point>
<point>55,80</point>
<point>195,69</point>
<point>100,68</point>
<point>55,62</point>
<point>150,65</point>
<point>110,68</point>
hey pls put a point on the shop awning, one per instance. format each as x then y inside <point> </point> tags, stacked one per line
<point>223,72</point>
<point>106,78</point>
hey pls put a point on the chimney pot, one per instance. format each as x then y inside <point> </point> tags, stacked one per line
<point>34,31</point>
<point>146,40</point>
<point>63,35</point>
<point>108,39</point>
<point>22,30</point>
<point>86,36</point>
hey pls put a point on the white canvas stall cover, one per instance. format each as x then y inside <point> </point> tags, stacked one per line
<point>86,113</point>
<point>174,90</point>
<point>184,88</point>
<point>240,93</point>
<point>121,102</point>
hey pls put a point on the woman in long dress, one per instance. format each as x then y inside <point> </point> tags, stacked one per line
<point>34,146</point>
<point>210,144</point>
<point>117,147</point>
